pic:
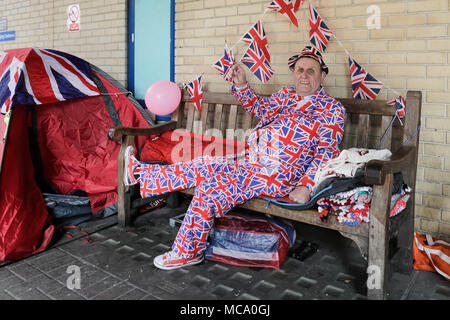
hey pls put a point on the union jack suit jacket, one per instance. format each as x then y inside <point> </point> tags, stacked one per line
<point>295,135</point>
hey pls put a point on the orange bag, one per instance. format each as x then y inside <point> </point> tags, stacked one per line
<point>431,254</point>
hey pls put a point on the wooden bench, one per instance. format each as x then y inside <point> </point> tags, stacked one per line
<point>365,124</point>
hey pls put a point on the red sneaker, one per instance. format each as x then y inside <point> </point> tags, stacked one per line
<point>130,174</point>
<point>170,260</point>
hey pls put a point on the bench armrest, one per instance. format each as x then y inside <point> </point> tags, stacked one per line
<point>118,133</point>
<point>376,170</point>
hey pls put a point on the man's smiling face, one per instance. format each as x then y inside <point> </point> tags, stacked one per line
<point>308,76</point>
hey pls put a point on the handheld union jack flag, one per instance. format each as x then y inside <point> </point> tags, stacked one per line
<point>224,64</point>
<point>319,33</point>
<point>257,34</point>
<point>400,104</point>
<point>195,91</point>
<point>364,85</point>
<point>64,77</point>
<point>286,8</point>
<point>255,60</point>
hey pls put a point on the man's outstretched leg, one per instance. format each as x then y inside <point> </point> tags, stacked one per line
<point>212,198</point>
<point>156,179</point>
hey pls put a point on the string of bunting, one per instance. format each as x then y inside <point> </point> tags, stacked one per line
<point>257,57</point>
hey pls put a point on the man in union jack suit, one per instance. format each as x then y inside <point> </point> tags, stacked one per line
<point>300,127</point>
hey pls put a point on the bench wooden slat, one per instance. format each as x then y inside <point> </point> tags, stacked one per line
<point>204,117</point>
<point>372,107</point>
<point>218,124</point>
<point>178,115</point>
<point>231,125</point>
<point>346,140</point>
<point>363,131</point>
<point>196,126</point>
<point>255,121</point>
<point>190,116</point>
<point>247,121</point>
<point>387,139</point>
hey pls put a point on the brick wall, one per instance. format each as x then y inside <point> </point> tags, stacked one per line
<point>410,51</point>
<point>102,39</point>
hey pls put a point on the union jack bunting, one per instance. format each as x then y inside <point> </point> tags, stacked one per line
<point>65,77</point>
<point>319,33</point>
<point>400,104</point>
<point>195,91</point>
<point>297,4</point>
<point>257,34</point>
<point>364,85</point>
<point>224,64</point>
<point>256,61</point>
<point>286,8</point>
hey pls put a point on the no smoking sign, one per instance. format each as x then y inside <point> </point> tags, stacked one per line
<point>73,17</point>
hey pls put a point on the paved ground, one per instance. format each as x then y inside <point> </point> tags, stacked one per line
<point>117,264</point>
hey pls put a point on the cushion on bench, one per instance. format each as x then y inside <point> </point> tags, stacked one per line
<point>178,145</point>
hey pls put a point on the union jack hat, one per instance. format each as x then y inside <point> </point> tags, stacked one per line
<point>308,52</point>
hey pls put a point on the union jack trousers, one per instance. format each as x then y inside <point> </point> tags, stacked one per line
<point>294,137</point>
<point>221,183</point>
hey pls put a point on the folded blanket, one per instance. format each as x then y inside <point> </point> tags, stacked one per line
<point>351,207</point>
<point>347,164</point>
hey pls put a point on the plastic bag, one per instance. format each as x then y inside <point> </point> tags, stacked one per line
<point>250,240</point>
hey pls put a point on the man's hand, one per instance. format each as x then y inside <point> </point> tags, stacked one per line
<point>238,75</point>
<point>300,194</point>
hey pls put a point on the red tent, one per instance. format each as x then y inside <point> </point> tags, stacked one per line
<point>60,108</point>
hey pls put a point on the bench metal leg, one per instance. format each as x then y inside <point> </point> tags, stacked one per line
<point>379,240</point>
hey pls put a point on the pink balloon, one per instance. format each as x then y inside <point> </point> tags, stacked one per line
<point>163,97</point>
